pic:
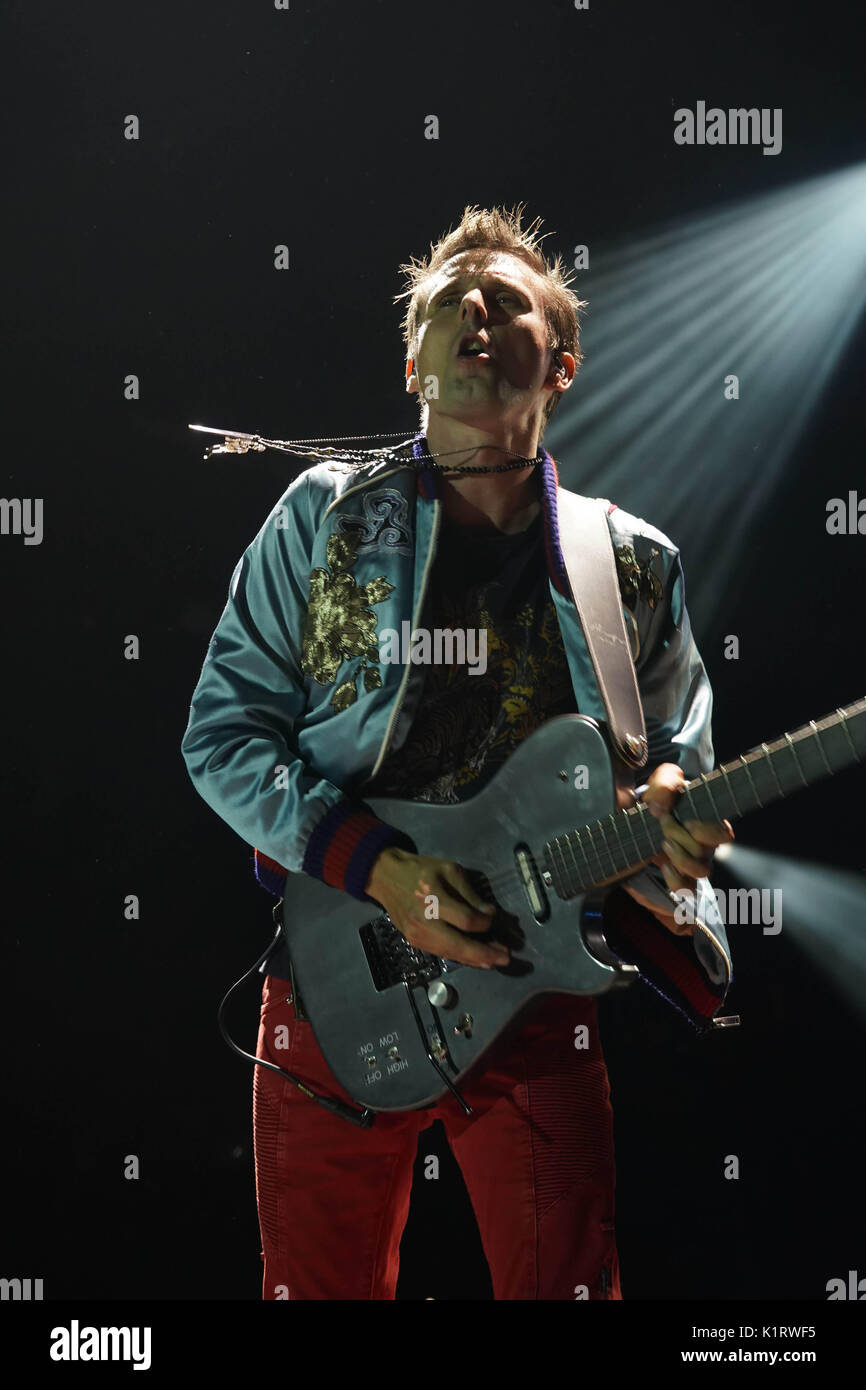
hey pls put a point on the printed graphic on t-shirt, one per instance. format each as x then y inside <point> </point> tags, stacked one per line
<point>468,725</point>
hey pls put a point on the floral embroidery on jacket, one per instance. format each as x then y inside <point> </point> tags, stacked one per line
<point>340,623</point>
<point>636,579</point>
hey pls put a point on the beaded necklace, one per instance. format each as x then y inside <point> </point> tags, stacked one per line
<point>345,460</point>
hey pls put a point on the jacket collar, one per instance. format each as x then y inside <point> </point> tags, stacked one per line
<point>428,488</point>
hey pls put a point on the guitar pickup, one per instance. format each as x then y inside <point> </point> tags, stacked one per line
<point>531,883</point>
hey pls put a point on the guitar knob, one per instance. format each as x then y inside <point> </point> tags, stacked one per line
<point>441,996</point>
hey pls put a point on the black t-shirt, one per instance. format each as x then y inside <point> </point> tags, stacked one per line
<point>468,724</point>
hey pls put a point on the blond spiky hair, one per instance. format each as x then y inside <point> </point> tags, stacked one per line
<point>499,229</point>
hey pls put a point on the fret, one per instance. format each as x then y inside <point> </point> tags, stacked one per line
<point>704,779</point>
<point>803,778</point>
<point>567,839</point>
<point>751,783</point>
<point>589,869</point>
<point>616,843</point>
<point>652,829</point>
<point>610,856</point>
<point>817,733</point>
<point>563,871</point>
<point>731,791</point>
<point>687,800</point>
<point>768,755</point>
<point>589,854</point>
<point>649,826</point>
<point>843,719</point>
<point>629,815</point>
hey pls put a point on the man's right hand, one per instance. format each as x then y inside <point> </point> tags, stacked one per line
<point>402,882</point>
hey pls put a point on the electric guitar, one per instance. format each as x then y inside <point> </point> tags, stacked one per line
<point>398,1026</point>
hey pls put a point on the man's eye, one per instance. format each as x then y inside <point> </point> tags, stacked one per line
<point>452,298</point>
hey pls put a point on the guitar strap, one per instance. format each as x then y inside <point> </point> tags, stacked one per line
<point>587,548</point>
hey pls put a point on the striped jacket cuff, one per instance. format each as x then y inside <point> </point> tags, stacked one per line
<point>340,852</point>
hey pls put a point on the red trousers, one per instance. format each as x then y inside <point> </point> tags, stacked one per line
<point>536,1158</point>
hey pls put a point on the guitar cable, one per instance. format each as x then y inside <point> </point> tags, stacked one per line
<point>364,1118</point>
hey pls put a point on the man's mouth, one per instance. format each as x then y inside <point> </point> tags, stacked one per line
<point>473,345</point>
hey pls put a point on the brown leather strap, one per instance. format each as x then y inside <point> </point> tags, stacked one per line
<point>587,549</point>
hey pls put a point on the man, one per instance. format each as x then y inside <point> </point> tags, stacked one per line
<point>295,720</point>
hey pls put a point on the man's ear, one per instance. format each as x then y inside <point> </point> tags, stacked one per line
<point>562,369</point>
<point>412,386</point>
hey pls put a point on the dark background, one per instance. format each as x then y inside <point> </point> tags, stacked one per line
<point>155,257</point>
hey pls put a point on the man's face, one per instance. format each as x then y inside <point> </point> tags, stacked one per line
<point>498,298</point>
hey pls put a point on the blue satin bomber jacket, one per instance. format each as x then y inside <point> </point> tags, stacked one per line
<point>282,755</point>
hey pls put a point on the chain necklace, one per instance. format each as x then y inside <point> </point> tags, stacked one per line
<point>346,460</point>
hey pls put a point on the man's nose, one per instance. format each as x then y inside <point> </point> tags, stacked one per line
<point>473,305</point>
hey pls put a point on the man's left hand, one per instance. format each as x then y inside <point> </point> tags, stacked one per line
<point>688,847</point>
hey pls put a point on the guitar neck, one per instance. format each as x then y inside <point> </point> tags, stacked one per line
<point>764,774</point>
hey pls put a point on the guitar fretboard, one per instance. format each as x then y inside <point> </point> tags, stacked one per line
<point>591,853</point>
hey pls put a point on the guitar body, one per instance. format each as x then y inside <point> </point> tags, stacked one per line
<point>395,1024</point>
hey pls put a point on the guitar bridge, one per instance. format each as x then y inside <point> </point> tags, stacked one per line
<point>392,960</point>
